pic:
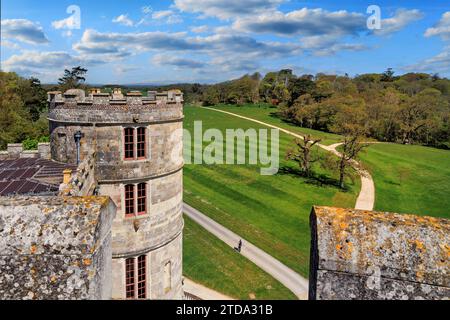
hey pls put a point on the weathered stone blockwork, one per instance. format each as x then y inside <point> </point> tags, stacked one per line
<point>15,151</point>
<point>102,119</point>
<point>55,247</point>
<point>371,255</point>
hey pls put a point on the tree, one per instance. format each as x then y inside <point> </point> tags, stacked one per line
<point>351,147</point>
<point>34,97</point>
<point>211,96</point>
<point>416,112</point>
<point>16,120</point>
<point>388,75</point>
<point>302,153</point>
<point>72,78</point>
<point>301,86</point>
<point>351,123</point>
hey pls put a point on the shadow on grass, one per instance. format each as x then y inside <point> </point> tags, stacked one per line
<point>320,180</point>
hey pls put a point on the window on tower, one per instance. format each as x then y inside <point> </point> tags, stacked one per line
<point>141,284</point>
<point>141,146</point>
<point>130,279</point>
<point>129,143</point>
<point>136,286</point>
<point>142,198</point>
<point>135,143</point>
<point>129,200</point>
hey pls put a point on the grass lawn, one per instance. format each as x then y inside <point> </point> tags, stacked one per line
<point>267,113</point>
<point>272,212</point>
<point>410,179</point>
<point>209,261</point>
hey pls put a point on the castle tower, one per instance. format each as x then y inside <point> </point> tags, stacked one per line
<point>137,143</point>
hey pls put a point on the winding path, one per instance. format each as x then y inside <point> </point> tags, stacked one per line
<point>288,277</point>
<point>366,197</point>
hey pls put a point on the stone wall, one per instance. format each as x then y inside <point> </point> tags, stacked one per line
<point>83,181</point>
<point>157,234</point>
<point>74,107</point>
<point>15,151</point>
<point>102,119</point>
<point>372,255</point>
<point>55,248</point>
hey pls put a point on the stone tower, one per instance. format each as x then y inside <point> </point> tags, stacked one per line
<point>136,142</point>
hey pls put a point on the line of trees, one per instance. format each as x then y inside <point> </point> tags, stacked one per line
<point>411,108</point>
<point>23,109</point>
<point>22,112</point>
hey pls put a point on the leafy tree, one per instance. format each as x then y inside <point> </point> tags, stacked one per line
<point>388,75</point>
<point>72,78</point>
<point>16,119</point>
<point>414,114</point>
<point>34,97</point>
<point>301,86</point>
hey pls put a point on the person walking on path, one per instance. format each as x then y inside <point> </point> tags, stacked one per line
<point>239,247</point>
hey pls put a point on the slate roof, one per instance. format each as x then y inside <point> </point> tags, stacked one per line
<point>28,176</point>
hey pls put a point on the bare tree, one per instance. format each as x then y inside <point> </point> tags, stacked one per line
<point>351,123</point>
<point>302,153</point>
<point>351,147</point>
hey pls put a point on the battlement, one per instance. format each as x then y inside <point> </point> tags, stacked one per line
<point>96,96</point>
<point>16,150</point>
<point>74,106</point>
<point>359,254</point>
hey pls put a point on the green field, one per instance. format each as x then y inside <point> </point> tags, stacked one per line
<point>410,179</point>
<point>267,113</point>
<point>209,261</point>
<point>272,212</point>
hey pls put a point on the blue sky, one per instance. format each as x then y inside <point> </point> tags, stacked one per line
<point>214,40</point>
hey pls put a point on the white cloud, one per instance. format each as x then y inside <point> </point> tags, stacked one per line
<point>437,64</point>
<point>68,23</point>
<point>200,29</point>
<point>122,69</point>
<point>37,63</point>
<point>94,42</point>
<point>327,45</point>
<point>305,22</point>
<point>162,14</point>
<point>9,44</point>
<point>400,20</point>
<point>123,20</point>
<point>162,60</point>
<point>227,9</point>
<point>168,16</point>
<point>23,30</point>
<point>442,28</point>
<point>147,9</point>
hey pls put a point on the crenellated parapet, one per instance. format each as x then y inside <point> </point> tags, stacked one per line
<point>366,255</point>
<point>74,106</point>
<point>81,182</point>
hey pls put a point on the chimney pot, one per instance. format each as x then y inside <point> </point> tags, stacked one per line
<point>67,175</point>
